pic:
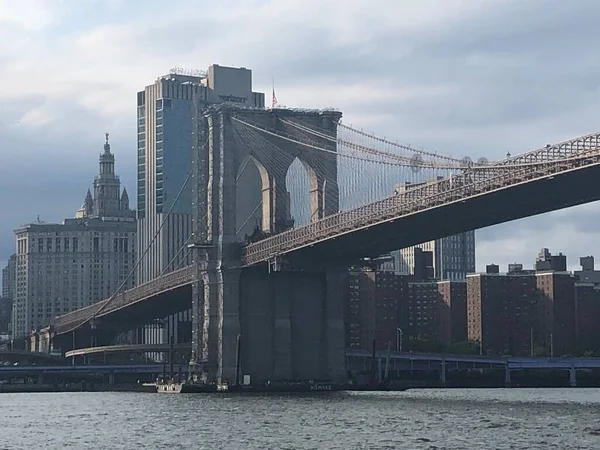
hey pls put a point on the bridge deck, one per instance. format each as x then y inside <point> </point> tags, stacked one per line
<point>461,188</point>
<point>165,283</point>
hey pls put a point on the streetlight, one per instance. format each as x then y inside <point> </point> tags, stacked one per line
<point>399,336</point>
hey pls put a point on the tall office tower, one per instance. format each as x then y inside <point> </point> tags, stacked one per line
<point>165,140</point>
<point>63,267</point>
<point>453,257</point>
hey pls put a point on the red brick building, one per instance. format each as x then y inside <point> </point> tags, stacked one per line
<point>499,312</point>
<point>587,298</point>
<point>555,313</point>
<point>453,318</point>
<point>395,309</point>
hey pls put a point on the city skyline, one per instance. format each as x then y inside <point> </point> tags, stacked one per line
<point>94,93</point>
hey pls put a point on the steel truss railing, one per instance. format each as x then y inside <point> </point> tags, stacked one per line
<point>164,283</point>
<point>430,195</point>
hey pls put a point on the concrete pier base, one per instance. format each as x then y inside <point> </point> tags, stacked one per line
<point>291,329</point>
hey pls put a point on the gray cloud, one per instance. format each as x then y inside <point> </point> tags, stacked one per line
<point>508,77</point>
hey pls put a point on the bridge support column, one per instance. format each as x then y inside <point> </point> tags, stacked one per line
<point>292,325</point>
<point>276,202</point>
<point>216,324</point>
<point>111,378</point>
<point>282,334</point>
<point>572,377</point>
<point>34,342</point>
<point>507,381</point>
<point>334,331</point>
<point>443,373</point>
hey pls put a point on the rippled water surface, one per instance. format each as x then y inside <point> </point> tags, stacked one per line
<point>416,419</point>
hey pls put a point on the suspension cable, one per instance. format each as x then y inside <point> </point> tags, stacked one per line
<point>396,144</point>
<point>324,150</point>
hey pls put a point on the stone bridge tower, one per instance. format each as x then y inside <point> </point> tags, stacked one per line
<point>300,335</point>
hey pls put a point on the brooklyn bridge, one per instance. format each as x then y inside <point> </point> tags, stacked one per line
<point>265,277</point>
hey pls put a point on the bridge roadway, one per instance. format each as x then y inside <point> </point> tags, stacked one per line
<point>443,363</point>
<point>418,361</point>
<point>548,179</point>
<point>83,369</point>
<point>12,355</point>
<point>544,180</point>
<point>146,296</point>
<point>128,348</point>
<point>355,360</point>
<point>427,361</point>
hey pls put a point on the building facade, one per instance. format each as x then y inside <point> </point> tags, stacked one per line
<point>453,317</point>
<point>8,277</point>
<point>373,308</point>
<point>8,293</point>
<point>165,113</point>
<point>587,296</point>
<point>500,312</point>
<point>453,257</point>
<point>395,310</point>
<point>63,267</point>
<point>5,316</point>
<point>524,313</point>
<point>555,314</point>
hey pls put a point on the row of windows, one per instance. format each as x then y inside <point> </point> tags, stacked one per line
<point>60,244</point>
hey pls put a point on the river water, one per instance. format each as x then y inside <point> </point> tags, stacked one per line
<point>414,419</point>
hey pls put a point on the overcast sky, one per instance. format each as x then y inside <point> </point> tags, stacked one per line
<point>463,77</point>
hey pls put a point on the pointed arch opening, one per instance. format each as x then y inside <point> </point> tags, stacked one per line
<point>299,179</point>
<point>253,199</point>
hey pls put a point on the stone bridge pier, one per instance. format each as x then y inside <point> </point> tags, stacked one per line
<point>272,326</point>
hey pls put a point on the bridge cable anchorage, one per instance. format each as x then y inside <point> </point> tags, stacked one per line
<point>106,302</point>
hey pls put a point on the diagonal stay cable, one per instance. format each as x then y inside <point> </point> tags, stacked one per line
<point>139,260</point>
<point>140,257</point>
<point>183,247</point>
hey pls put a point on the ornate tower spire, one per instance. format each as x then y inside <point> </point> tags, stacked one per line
<point>88,203</point>
<point>125,200</point>
<point>107,186</point>
<point>107,145</point>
